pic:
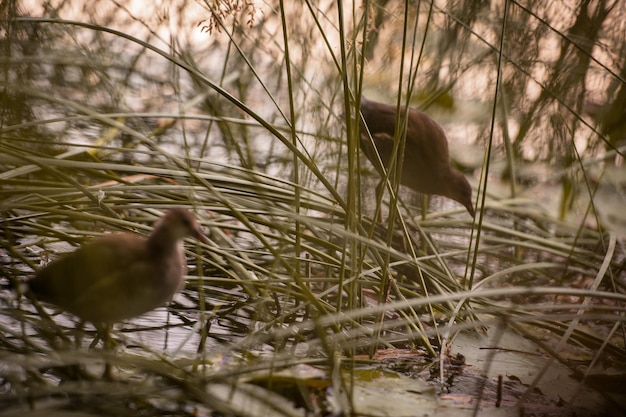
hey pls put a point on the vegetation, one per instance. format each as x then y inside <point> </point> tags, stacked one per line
<point>246,113</point>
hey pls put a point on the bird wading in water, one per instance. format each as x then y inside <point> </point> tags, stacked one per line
<point>426,164</point>
<point>120,276</point>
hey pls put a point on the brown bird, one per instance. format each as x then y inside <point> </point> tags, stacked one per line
<point>426,165</point>
<point>120,276</point>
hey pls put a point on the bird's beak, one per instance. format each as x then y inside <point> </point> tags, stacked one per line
<point>470,209</point>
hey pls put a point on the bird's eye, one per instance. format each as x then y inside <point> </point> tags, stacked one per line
<point>187,222</point>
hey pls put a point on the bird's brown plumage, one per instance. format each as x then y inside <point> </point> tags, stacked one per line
<point>426,165</point>
<point>120,276</point>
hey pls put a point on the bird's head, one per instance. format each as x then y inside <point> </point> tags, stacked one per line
<point>460,190</point>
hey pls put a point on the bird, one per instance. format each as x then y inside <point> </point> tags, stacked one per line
<point>426,165</point>
<point>120,276</point>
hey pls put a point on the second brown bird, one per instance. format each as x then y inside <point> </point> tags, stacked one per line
<point>426,165</point>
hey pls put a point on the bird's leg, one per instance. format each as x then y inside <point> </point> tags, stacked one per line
<point>379,192</point>
<point>425,199</point>
<point>103,332</point>
<point>96,339</point>
<point>78,338</point>
<point>108,343</point>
